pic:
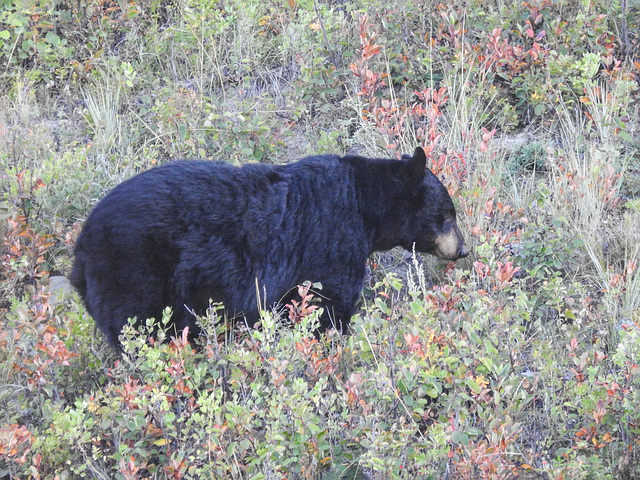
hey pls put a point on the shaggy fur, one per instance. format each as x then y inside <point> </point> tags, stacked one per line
<point>189,232</point>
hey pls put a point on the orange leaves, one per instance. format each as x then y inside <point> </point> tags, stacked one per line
<point>599,412</point>
<point>176,369</point>
<point>57,351</point>
<point>510,60</point>
<point>367,38</point>
<point>602,183</point>
<point>590,435</point>
<point>368,49</point>
<point>482,269</point>
<point>452,164</point>
<point>39,365</point>
<point>15,443</point>
<point>503,273</point>
<point>492,206</point>
<point>391,115</point>
<point>354,387</point>
<point>489,456</point>
<point>317,364</point>
<point>619,280</point>
<point>278,372</point>
<point>175,469</point>
<point>181,341</point>
<point>609,188</point>
<point>613,389</point>
<point>128,468</point>
<point>370,81</point>
<point>23,270</point>
<point>306,347</point>
<point>26,250</point>
<point>421,347</point>
<point>130,392</point>
<point>573,344</point>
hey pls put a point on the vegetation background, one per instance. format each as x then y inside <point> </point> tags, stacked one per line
<point>519,362</point>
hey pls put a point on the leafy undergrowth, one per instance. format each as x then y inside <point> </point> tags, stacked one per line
<point>520,361</point>
<point>487,375</point>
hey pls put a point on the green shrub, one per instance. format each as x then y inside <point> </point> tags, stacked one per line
<point>520,360</point>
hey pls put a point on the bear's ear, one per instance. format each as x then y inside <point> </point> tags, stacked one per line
<point>418,162</point>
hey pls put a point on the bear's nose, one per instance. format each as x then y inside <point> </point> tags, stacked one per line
<point>462,251</point>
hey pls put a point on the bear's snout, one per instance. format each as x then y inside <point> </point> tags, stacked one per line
<point>450,245</point>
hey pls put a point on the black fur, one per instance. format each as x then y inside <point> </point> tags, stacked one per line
<point>190,231</point>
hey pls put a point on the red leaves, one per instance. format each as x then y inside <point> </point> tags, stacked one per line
<point>444,297</point>
<point>503,274</point>
<point>317,363</point>
<point>420,347</point>
<point>15,443</point>
<point>303,308</point>
<point>26,249</point>
<point>482,269</point>
<point>414,344</point>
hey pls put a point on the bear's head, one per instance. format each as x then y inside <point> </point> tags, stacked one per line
<point>432,227</point>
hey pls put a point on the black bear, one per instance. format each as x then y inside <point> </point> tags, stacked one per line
<point>191,232</point>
